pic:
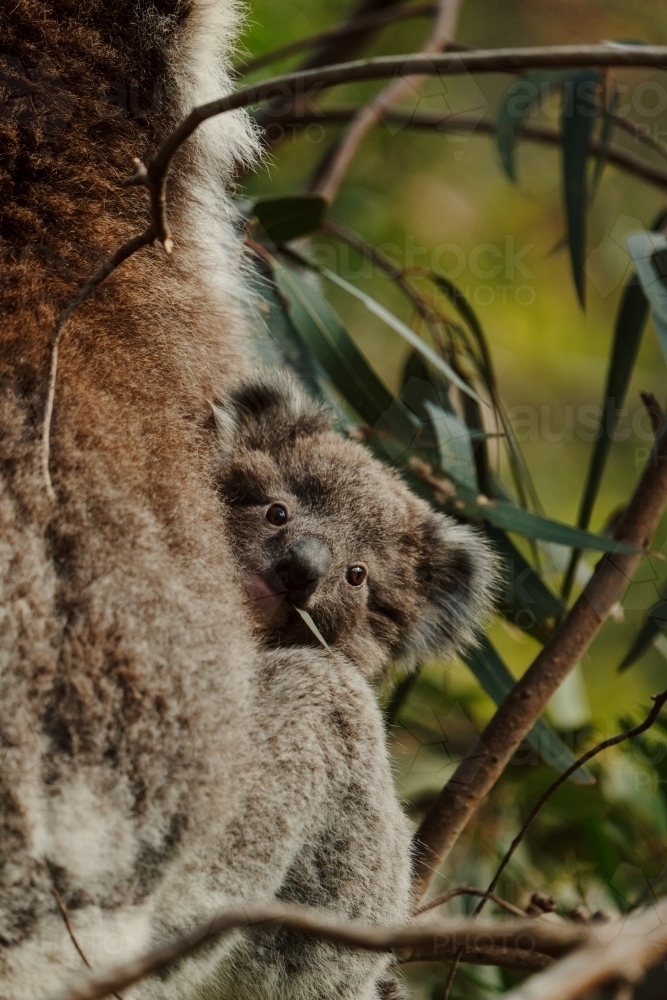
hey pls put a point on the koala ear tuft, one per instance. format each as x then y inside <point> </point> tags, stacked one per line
<point>226,427</point>
<point>458,578</point>
<point>272,407</point>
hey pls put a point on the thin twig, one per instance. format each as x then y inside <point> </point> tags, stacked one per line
<point>68,924</point>
<point>621,951</point>
<point>640,134</point>
<point>435,120</point>
<point>392,270</point>
<point>86,290</point>
<point>479,771</point>
<point>64,913</point>
<point>526,944</point>
<point>466,890</point>
<point>154,174</point>
<point>375,20</point>
<point>658,701</point>
<point>330,176</point>
<point>454,968</point>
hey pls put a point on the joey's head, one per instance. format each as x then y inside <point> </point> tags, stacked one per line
<point>317,523</point>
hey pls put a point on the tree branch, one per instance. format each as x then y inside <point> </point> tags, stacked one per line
<point>659,701</point>
<point>520,943</point>
<point>435,120</point>
<point>466,890</point>
<point>87,288</point>
<point>154,174</point>
<point>351,28</point>
<point>623,952</point>
<point>330,177</point>
<point>479,771</point>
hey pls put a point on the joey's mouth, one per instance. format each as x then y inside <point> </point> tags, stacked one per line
<point>258,588</point>
<point>269,604</point>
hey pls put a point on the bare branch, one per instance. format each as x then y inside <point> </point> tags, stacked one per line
<point>331,177</point>
<point>355,26</point>
<point>154,174</point>
<point>480,770</point>
<point>514,942</point>
<point>130,247</point>
<point>391,269</point>
<point>435,120</point>
<point>623,952</point>
<point>64,913</point>
<point>641,134</point>
<point>659,701</point>
<point>466,890</point>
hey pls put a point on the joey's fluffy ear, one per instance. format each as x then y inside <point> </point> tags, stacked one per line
<point>458,580</point>
<point>268,410</point>
<point>226,427</point>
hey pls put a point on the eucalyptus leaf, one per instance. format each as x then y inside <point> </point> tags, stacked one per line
<point>521,97</point>
<point>312,626</point>
<point>284,219</point>
<point>649,253</point>
<point>577,119</point>
<point>412,338</point>
<point>454,445</point>
<point>530,525</point>
<point>654,623</point>
<point>326,338</point>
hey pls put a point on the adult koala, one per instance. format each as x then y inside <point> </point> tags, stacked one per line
<point>157,762</point>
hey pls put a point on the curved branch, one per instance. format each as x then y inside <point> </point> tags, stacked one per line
<point>466,890</point>
<point>154,174</point>
<point>434,120</point>
<point>623,951</point>
<point>331,175</point>
<point>350,28</point>
<point>659,701</point>
<point>521,943</point>
<point>87,288</point>
<point>478,772</point>
<point>392,270</point>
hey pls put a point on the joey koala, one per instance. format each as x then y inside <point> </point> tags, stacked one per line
<point>160,760</point>
<point>317,523</point>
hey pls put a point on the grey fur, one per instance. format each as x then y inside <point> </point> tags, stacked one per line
<point>159,762</point>
<point>430,580</point>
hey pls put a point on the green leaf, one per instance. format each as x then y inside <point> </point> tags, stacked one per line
<point>279,342</point>
<point>412,338</point>
<point>521,97</point>
<point>524,522</point>
<point>578,116</point>
<point>649,253</point>
<point>484,365</point>
<point>284,219</point>
<point>654,623</point>
<point>454,446</point>
<point>497,680</point>
<point>628,329</point>
<point>326,338</point>
<point>605,138</point>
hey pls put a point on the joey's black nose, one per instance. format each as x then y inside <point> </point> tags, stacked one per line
<point>302,568</point>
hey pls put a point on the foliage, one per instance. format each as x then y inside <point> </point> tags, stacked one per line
<point>444,425</point>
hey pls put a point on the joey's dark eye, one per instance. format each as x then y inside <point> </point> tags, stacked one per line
<point>356,575</point>
<point>277,515</point>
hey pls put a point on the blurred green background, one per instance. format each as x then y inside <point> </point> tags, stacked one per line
<point>443,198</point>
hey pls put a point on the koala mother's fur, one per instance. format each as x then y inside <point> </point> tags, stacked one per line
<point>156,764</point>
<point>159,761</point>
